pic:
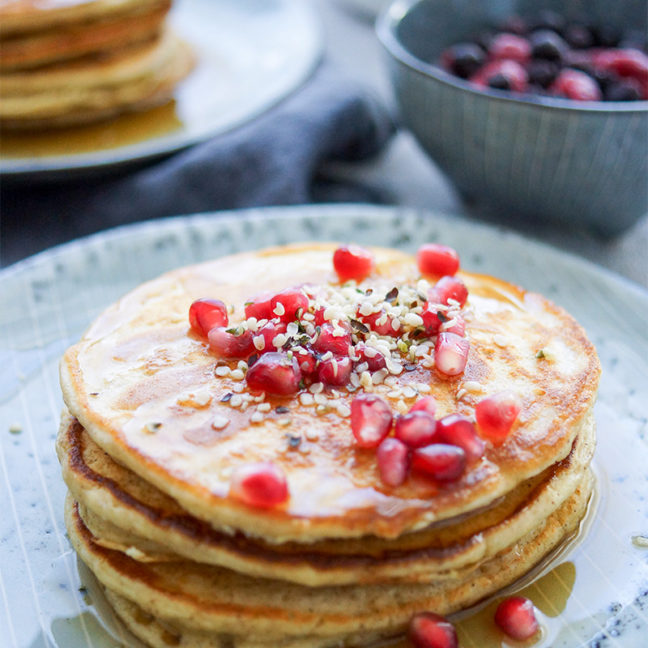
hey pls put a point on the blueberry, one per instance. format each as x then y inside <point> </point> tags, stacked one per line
<point>622,91</point>
<point>634,39</point>
<point>542,72</point>
<point>579,36</point>
<point>466,59</point>
<point>548,45</point>
<point>485,38</point>
<point>606,35</point>
<point>499,81</point>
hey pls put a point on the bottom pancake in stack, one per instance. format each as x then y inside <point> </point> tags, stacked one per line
<point>180,572</point>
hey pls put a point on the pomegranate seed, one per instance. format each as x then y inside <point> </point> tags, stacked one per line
<point>450,288</point>
<point>459,326</point>
<point>269,332</point>
<point>319,317</point>
<point>335,371</point>
<point>429,630</point>
<point>457,430</point>
<point>516,617</point>
<point>230,345</point>
<point>384,327</point>
<point>510,46</point>
<point>436,259</point>
<point>259,306</point>
<point>393,461</point>
<point>496,414</point>
<point>259,484</point>
<point>415,429</point>
<point>288,304</point>
<point>577,85</point>
<point>353,262</point>
<point>512,72</point>
<point>425,404</point>
<point>451,353</point>
<point>371,420</point>
<point>307,363</point>
<point>328,341</point>
<point>204,314</point>
<point>274,373</point>
<point>441,461</point>
<point>431,320</point>
<point>375,361</point>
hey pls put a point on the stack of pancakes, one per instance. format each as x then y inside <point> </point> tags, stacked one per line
<point>347,560</point>
<point>77,61</point>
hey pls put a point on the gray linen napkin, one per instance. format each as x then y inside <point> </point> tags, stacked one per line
<point>275,159</point>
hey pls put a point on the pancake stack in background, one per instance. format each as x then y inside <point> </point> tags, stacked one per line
<point>156,424</point>
<point>80,61</point>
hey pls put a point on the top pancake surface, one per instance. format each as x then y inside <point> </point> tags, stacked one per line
<point>139,364</point>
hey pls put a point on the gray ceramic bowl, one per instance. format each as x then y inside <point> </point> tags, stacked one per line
<point>534,157</point>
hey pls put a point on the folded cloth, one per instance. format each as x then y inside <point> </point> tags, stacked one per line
<point>275,159</point>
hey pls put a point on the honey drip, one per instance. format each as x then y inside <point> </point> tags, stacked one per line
<point>121,131</point>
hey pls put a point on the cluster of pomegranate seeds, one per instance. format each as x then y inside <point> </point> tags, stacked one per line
<point>262,485</point>
<point>429,630</point>
<point>516,618</point>
<point>439,449</point>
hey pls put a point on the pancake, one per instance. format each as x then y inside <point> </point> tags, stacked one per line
<point>93,88</point>
<point>145,390</point>
<point>112,33</point>
<point>192,597</point>
<point>30,16</point>
<point>124,512</point>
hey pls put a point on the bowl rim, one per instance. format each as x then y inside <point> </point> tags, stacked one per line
<point>387,24</point>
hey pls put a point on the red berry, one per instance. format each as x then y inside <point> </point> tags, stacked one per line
<point>496,415</point>
<point>429,630</point>
<point>458,430</point>
<point>441,461</point>
<point>335,371</point>
<point>259,484</point>
<point>289,304</point>
<point>450,288</point>
<point>416,429</point>
<point>628,62</point>
<point>259,306</point>
<point>274,373</point>
<point>380,323</point>
<point>515,75</point>
<point>393,461</point>
<point>374,359</point>
<point>329,340</point>
<point>230,345</point>
<point>516,617</point>
<point>451,353</point>
<point>269,332</point>
<point>371,420</point>
<point>437,259</point>
<point>511,47</point>
<point>353,262</point>
<point>425,404</point>
<point>204,314</point>
<point>577,85</point>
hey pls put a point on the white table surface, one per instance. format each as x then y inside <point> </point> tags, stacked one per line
<point>412,179</point>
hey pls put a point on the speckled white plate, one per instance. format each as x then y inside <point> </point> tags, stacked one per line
<point>594,593</point>
<point>249,55</point>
